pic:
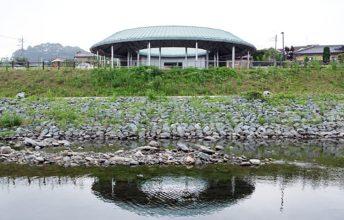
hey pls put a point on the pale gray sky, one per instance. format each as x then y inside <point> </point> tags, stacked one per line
<point>83,22</point>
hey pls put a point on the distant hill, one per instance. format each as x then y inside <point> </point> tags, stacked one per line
<point>48,52</point>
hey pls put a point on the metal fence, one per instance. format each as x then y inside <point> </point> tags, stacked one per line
<point>37,65</point>
<point>123,63</point>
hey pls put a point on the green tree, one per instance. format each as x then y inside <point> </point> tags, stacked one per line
<point>20,59</point>
<point>326,55</point>
<point>341,58</point>
<point>267,55</point>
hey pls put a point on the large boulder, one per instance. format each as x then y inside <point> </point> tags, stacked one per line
<point>154,144</point>
<point>204,149</point>
<point>5,150</point>
<point>20,95</point>
<point>33,143</point>
<point>182,147</point>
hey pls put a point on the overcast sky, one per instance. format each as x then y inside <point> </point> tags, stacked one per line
<point>83,22</point>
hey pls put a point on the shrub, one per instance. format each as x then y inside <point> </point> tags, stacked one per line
<point>326,55</point>
<point>341,58</point>
<point>251,95</point>
<point>334,65</point>
<point>64,115</point>
<point>8,120</point>
<point>261,120</point>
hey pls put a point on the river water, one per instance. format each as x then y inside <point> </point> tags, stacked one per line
<point>226,192</point>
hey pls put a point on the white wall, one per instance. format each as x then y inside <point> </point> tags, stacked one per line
<point>191,61</point>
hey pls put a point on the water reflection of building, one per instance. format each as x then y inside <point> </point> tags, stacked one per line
<point>173,196</point>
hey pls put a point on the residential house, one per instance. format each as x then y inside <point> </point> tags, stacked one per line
<point>315,52</point>
<point>85,57</point>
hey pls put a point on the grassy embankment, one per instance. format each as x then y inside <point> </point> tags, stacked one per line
<point>149,81</point>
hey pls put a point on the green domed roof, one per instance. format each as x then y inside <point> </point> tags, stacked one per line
<point>173,33</point>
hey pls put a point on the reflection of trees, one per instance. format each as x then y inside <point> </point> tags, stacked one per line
<point>307,149</point>
<point>51,182</point>
<point>175,196</point>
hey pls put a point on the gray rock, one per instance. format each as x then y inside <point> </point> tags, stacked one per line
<point>189,160</point>
<point>138,154</point>
<point>119,151</point>
<point>198,162</point>
<point>40,159</point>
<point>133,162</point>
<point>147,148</point>
<point>89,159</point>
<point>119,160</point>
<point>165,135</point>
<point>5,150</point>
<point>182,147</point>
<point>204,149</point>
<point>219,148</point>
<point>154,144</point>
<point>20,95</point>
<point>203,156</point>
<point>64,143</point>
<point>180,131</point>
<point>245,164</point>
<point>31,142</point>
<point>255,162</point>
<point>209,138</point>
<point>267,94</point>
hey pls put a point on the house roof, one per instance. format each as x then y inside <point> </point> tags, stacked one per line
<point>58,60</point>
<point>84,54</point>
<point>319,49</point>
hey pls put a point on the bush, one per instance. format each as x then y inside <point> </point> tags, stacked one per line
<point>251,95</point>
<point>8,120</point>
<point>341,58</point>
<point>334,65</point>
<point>64,115</point>
<point>326,55</point>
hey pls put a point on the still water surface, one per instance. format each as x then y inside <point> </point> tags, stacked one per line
<point>226,193</point>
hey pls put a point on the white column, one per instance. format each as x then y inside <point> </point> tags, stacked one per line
<point>131,59</point>
<point>248,59</point>
<point>159,57</point>
<point>207,60</point>
<point>217,59</point>
<point>112,56</point>
<point>138,58</point>
<point>233,57</point>
<point>149,53</point>
<point>186,57</point>
<point>196,46</point>
<point>128,59</point>
<point>97,58</point>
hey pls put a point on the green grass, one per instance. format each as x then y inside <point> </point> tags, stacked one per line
<point>152,82</point>
<point>8,120</point>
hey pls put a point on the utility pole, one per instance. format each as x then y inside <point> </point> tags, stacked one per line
<point>275,53</point>
<point>283,45</point>
<point>21,44</point>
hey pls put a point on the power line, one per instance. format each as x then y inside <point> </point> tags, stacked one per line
<point>8,37</point>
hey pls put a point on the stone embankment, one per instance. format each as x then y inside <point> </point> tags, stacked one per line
<point>207,118</point>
